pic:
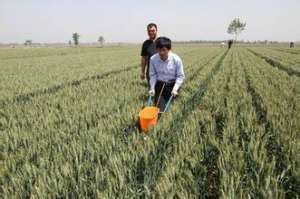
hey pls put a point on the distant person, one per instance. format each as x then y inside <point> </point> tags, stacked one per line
<point>230,42</point>
<point>166,73</point>
<point>223,44</point>
<point>148,49</point>
<point>292,44</point>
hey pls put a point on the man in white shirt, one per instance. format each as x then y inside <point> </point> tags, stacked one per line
<point>166,73</point>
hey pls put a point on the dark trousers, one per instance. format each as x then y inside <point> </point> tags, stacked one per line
<point>166,93</point>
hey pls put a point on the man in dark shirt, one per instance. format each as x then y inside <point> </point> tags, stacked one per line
<point>148,49</point>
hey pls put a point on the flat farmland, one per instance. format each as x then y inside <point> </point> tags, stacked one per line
<point>66,117</point>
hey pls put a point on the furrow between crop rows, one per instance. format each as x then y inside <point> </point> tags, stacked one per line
<point>23,98</point>
<point>68,120</point>
<point>191,161</point>
<point>157,156</point>
<point>276,64</point>
<point>287,51</point>
<point>76,133</point>
<point>273,146</point>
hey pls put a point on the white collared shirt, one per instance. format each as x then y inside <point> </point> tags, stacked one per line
<point>171,69</point>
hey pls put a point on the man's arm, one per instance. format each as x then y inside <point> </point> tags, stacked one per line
<point>153,75</point>
<point>144,59</point>
<point>143,67</point>
<point>179,75</point>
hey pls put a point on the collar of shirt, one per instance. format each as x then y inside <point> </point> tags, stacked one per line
<point>152,40</point>
<point>168,59</point>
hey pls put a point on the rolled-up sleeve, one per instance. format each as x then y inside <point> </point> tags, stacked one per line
<point>152,74</point>
<point>179,74</point>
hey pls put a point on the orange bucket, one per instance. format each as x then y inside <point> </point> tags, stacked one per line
<point>148,117</point>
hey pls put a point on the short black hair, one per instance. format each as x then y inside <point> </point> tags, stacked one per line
<point>163,42</point>
<point>150,25</point>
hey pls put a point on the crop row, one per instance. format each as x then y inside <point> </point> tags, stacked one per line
<point>168,137</point>
<point>283,61</point>
<point>232,133</point>
<point>42,134</point>
<point>33,53</point>
<point>291,51</point>
<point>37,75</point>
<point>288,56</point>
<point>24,76</point>
<point>279,117</point>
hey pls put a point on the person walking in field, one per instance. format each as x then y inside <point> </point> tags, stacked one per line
<point>166,73</point>
<point>230,42</point>
<point>148,49</point>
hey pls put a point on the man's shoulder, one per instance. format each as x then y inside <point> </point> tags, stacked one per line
<point>175,57</point>
<point>155,56</point>
<point>148,41</point>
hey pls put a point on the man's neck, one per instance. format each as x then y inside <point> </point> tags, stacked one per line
<point>166,57</point>
<point>153,38</point>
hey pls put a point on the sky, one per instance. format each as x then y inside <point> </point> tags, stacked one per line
<point>125,21</point>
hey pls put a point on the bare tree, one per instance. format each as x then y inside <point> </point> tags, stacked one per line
<point>76,38</point>
<point>236,27</point>
<point>101,40</point>
<point>28,42</point>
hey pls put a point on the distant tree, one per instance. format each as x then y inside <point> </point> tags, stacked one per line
<point>266,42</point>
<point>70,42</point>
<point>76,38</point>
<point>236,27</point>
<point>28,42</point>
<point>101,40</point>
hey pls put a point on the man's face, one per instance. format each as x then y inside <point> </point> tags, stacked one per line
<point>152,32</point>
<point>163,53</point>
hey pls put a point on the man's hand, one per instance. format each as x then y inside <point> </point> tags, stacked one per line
<point>142,76</point>
<point>152,92</point>
<point>174,93</point>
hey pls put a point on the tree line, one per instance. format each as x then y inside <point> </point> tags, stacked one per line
<point>235,28</point>
<point>76,37</point>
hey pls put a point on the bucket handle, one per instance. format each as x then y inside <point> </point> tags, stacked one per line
<point>149,100</point>
<point>161,91</point>
<point>168,103</point>
<point>150,97</point>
